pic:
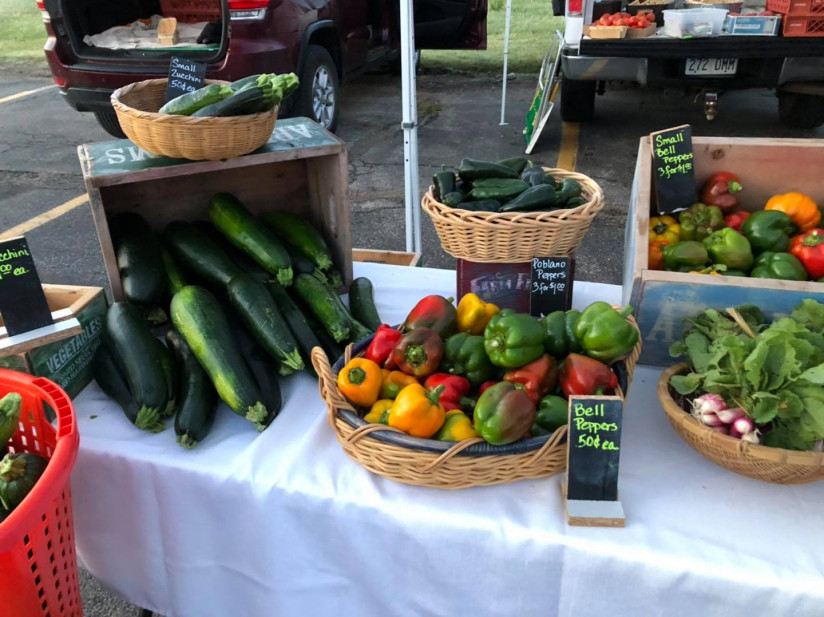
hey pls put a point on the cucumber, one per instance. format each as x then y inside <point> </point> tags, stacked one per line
<point>139,261</point>
<point>199,254</point>
<point>302,235</point>
<point>303,333</point>
<point>197,398</point>
<point>189,103</point>
<point>238,225</point>
<point>325,305</point>
<point>362,303</point>
<point>258,310</point>
<point>198,317</point>
<point>172,379</point>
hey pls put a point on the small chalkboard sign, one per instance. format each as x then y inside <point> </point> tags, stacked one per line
<point>23,304</point>
<point>673,169</point>
<point>551,285</point>
<point>184,76</point>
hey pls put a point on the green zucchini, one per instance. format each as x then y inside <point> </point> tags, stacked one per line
<point>334,278</point>
<point>19,472</point>
<point>197,398</point>
<point>258,310</point>
<point>238,225</point>
<point>248,100</point>
<point>139,261</point>
<point>10,406</point>
<point>172,374</point>
<point>251,79</point>
<point>304,265</point>
<point>357,331</point>
<point>302,236</point>
<point>197,315</point>
<point>175,281</point>
<point>199,254</point>
<point>189,103</point>
<point>330,346</point>
<point>362,303</point>
<point>241,260</point>
<point>325,305</point>
<point>303,333</point>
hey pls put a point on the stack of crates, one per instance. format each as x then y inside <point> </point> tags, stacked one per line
<point>801,17</point>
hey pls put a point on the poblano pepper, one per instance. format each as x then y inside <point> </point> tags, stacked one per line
<point>444,182</point>
<point>472,170</point>
<point>559,338</point>
<point>783,266</point>
<point>464,355</point>
<point>517,163</point>
<point>541,197</point>
<point>728,247</point>
<point>568,189</point>
<point>699,220</point>
<point>768,230</point>
<point>604,332</point>
<point>534,176</point>
<point>498,189</point>
<point>513,340</point>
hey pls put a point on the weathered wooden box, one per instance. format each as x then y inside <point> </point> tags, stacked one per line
<point>662,300</point>
<point>302,169</point>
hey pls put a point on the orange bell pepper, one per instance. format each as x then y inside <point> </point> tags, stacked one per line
<point>393,382</point>
<point>360,382</point>
<point>417,412</point>
<point>801,209</point>
<point>656,255</point>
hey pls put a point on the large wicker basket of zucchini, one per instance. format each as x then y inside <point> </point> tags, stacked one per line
<point>218,121</point>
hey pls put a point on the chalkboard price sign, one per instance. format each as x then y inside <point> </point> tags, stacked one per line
<point>22,301</point>
<point>673,169</point>
<point>551,285</point>
<point>184,76</point>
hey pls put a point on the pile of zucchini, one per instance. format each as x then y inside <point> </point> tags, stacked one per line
<point>248,300</point>
<point>510,185</point>
<point>249,95</point>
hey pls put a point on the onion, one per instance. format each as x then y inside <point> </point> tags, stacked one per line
<point>728,416</point>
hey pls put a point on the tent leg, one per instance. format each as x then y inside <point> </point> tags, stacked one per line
<point>506,60</point>
<point>410,129</point>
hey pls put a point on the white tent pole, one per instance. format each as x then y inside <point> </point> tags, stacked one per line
<point>506,59</point>
<point>410,129</point>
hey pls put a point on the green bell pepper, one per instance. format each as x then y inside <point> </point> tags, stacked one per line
<point>604,332</point>
<point>728,247</point>
<point>464,355</point>
<point>699,220</point>
<point>552,414</point>
<point>504,414</point>
<point>687,255</point>
<point>513,340</point>
<point>772,265</point>
<point>560,339</point>
<point>768,230</point>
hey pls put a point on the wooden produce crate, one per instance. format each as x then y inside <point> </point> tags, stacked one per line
<point>302,169</point>
<point>394,258</point>
<point>662,300</point>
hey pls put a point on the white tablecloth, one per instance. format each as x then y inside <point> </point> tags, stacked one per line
<point>283,523</point>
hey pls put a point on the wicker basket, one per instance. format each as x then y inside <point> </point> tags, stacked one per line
<point>182,137</point>
<point>775,465</point>
<point>437,464</point>
<point>509,237</point>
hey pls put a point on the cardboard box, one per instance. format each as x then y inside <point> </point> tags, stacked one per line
<point>606,32</point>
<point>641,33</point>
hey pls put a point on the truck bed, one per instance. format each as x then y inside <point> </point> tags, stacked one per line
<point>716,47</point>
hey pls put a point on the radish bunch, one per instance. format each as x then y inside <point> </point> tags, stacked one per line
<point>710,409</point>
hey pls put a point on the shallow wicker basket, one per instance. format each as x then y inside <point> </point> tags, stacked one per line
<point>775,465</point>
<point>183,137</point>
<point>437,464</point>
<point>511,237</point>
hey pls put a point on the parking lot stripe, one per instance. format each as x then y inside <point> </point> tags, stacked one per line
<point>40,219</point>
<point>20,95</point>
<point>568,151</point>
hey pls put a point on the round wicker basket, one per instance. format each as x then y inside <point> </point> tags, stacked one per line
<point>755,461</point>
<point>183,137</point>
<point>510,237</point>
<point>437,464</point>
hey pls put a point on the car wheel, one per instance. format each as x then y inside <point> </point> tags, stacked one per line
<point>577,100</point>
<point>319,90</point>
<point>108,120</point>
<point>800,111</point>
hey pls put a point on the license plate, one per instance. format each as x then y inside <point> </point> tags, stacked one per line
<point>711,66</point>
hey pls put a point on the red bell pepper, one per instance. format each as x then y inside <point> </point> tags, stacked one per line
<point>384,341</point>
<point>583,375</point>
<point>537,378</point>
<point>419,352</point>
<point>809,248</point>
<point>734,220</point>
<point>721,190</point>
<point>435,312</point>
<point>455,390</point>
<point>486,386</point>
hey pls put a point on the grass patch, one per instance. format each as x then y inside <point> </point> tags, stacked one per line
<point>21,31</point>
<point>531,32</point>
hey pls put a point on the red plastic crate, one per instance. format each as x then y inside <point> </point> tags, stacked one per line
<point>801,8</point>
<point>804,26</point>
<point>191,11</point>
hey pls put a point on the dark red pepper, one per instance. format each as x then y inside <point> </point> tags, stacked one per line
<point>584,376</point>
<point>537,378</point>
<point>419,352</point>
<point>384,341</point>
<point>435,312</point>
<point>721,190</point>
<point>486,386</point>
<point>455,390</point>
<point>734,220</point>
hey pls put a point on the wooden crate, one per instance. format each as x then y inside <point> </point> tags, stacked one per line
<point>394,258</point>
<point>302,169</point>
<point>662,300</point>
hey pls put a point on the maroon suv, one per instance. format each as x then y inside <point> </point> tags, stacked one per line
<point>323,41</point>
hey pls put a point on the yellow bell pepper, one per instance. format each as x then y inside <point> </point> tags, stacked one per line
<point>801,209</point>
<point>474,314</point>
<point>381,405</point>
<point>417,412</point>
<point>393,382</point>
<point>360,382</point>
<point>456,427</point>
<point>664,229</point>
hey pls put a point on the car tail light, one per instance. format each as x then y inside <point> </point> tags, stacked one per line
<point>60,81</point>
<point>43,12</point>
<point>247,10</point>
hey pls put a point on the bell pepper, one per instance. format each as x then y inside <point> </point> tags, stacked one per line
<point>735,219</point>
<point>513,340</point>
<point>585,376</point>
<point>417,412</point>
<point>378,409</point>
<point>393,382</point>
<point>504,414</point>
<point>434,312</point>
<point>809,248</point>
<point>768,230</point>
<point>664,229</point>
<point>721,190</point>
<point>730,248</point>
<point>559,337</point>
<point>712,270</point>
<point>473,314</point>
<point>384,341</point>
<point>700,220</point>
<point>487,385</point>
<point>444,182</point>
<point>419,352</point>
<point>456,427</point>
<point>801,209</point>
<point>783,266</point>
<point>686,254</point>
<point>360,382</point>
<point>552,413</point>
<point>464,354</point>
<point>604,332</point>
<point>656,255</point>
<point>455,389</point>
<point>537,378</point>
